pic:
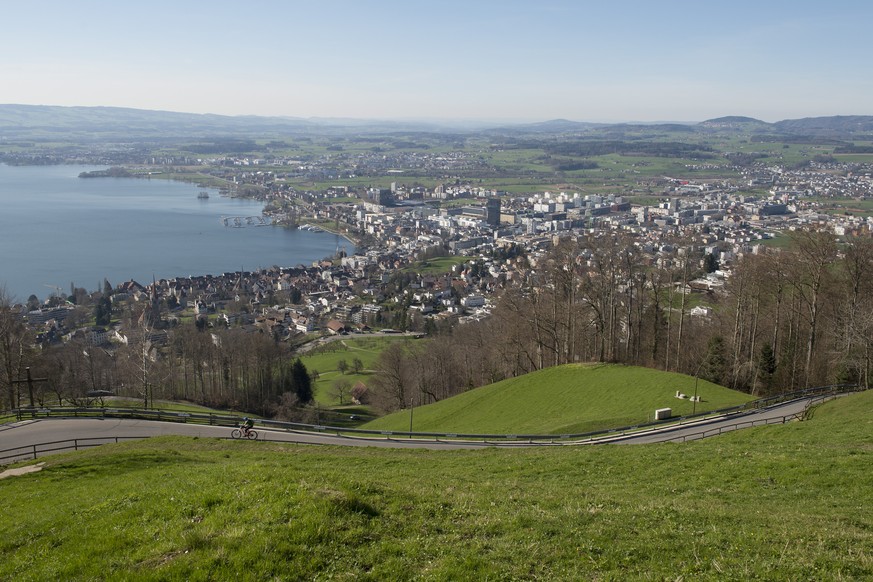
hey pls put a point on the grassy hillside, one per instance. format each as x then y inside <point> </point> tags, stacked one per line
<point>567,399</point>
<point>781,502</point>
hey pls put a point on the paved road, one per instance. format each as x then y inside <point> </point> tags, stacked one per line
<point>713,426</point>
<point>25,434</point>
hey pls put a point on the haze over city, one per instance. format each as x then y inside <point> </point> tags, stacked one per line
<point>488,60</point>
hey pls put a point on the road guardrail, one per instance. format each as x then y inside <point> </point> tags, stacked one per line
<point>232,420</point>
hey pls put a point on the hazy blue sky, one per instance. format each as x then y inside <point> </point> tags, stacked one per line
<point>487,59</point>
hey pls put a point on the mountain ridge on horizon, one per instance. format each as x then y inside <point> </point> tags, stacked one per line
<point>141,123</point>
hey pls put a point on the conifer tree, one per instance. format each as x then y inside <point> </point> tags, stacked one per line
<point>301,383</point>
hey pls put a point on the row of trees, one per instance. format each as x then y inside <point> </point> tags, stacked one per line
<point>786,319</point>
<point>225,368</point>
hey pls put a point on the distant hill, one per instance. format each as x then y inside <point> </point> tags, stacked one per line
<point>735,123</point>
<point>834,129</point>
<point>551,127</point>
<point>103,122</point>
<point>840,125</point>
<point>733,120</point>
<point>557,125</point>
<point>120,123</point>
<point>567,399</point>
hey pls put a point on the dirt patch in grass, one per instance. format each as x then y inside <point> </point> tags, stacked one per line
<point>21,471</point>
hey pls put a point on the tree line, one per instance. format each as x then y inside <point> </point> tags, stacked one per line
<point>226,368</point>
<point>786,319</point>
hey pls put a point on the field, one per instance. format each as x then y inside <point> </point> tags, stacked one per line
<point>326,363</point>
<point>845,206</point>
<point>564,400</point>
<point>781,241</point>
<point>119,402</point>
<point>437,266</point>
<point>783,502</point>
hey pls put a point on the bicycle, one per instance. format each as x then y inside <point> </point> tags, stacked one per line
<point>239,433</point>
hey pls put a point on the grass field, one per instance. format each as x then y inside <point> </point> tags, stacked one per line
<point>781,241</point>
<point>327,359</point>
<point>119,402</point>
<point>563,400</point>
<point>845,205</point>
<point>437,266</point>
<point>786,502</point>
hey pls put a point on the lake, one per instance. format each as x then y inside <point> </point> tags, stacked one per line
<point>57,229</point>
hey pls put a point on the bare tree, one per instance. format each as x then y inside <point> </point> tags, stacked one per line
<point>340,389</point>
<point>816,253</point>
<point>15,345</point>
<point>391,387</point>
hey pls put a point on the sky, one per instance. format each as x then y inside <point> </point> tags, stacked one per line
<point>488,60</point>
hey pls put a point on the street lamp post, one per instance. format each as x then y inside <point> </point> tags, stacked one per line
<point>697,378</point>
<point>694,400</point>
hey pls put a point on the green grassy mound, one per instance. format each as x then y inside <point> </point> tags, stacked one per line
<point>786,502</point>
<point>574,398</point>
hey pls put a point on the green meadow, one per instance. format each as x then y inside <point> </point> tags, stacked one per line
<point>437,266</point>
<point>327,358</point>
<point>784,502</point>
<point>569,399</point>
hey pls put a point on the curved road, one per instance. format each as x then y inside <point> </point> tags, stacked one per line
<point>27,433</point>
<point>697,429</point>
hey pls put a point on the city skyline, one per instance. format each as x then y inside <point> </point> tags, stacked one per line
<point>489,61</point>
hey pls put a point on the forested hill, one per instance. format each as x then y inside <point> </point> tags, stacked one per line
<point>838,126</point>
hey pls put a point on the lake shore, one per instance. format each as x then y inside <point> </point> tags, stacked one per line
<point>130,229</point>
<point>334,232</point>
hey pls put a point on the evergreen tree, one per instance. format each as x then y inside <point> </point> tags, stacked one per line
<point>766,367</point>
<point>710,263</point>
<point>301,383</point>
<point>714,366</point>
<point>103,311</point>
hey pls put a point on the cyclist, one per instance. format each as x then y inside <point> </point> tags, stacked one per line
<point>247,425</point>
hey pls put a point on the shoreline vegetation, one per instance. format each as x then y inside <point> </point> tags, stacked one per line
<point>113,172</point>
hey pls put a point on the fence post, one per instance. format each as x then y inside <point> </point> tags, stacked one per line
<point>34,451</point>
